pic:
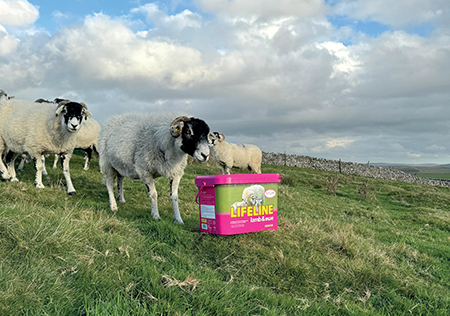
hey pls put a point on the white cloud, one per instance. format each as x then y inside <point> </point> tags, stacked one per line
<point>177,22</point>
<point>17,12</point>
<point>8,43</point>
<point>264,8</point>
<point>399,13</point>
<point>104,49</point>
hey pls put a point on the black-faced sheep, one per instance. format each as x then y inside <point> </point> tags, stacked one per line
<point>39,130</point>
<point>229,155</point>
<point>4,96</point>
<point>144,147</point>
<point>86,138</point>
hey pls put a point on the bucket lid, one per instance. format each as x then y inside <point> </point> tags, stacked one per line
<point>211,180</point>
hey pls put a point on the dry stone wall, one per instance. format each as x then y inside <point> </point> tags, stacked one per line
<point>366,170</point>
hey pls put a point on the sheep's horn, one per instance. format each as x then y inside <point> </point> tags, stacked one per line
<point>176,126</point>
<point>180,119</point>
<point>41,101</point>
<point>222,137</point>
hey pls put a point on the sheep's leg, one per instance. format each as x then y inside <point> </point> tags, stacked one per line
<point>22,162</point>
<point>3,170</point>
<point>9,160</point>
<point>120,197</point>
<point>87,158</point>
<point>150,185</point>
<point>65,158</point>
<point>174,184</point>
<point>39,164</point>
<point>55,162</point>
<point>44,171</point>
<point>110,187</point>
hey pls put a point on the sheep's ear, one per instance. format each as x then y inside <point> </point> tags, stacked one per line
<point>177,125</point>
<point>60,109</point>
<point>11,97</point>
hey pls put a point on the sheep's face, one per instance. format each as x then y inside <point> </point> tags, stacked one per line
<point>72,115</point>
<point>196,139</point>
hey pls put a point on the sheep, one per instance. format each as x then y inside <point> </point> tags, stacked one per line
<point>24,127</point>
<point>229,155</point>
<point>141,146</point>
<point>87,140</point>
<point>86,137</point>
<point>5,97</point>
<point>253,195</point>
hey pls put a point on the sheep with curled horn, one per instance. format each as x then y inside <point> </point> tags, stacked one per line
<point>39,130</point>
<point>229,155</point>
<point>142,146</point>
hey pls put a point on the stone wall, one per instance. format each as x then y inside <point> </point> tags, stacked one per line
<point>346,167</point>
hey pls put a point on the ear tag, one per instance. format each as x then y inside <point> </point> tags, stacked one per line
<point>88,114</point>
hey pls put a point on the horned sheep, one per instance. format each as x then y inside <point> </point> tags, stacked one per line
<point>26,128</point>
<point>229,155</point>
<point>145,147</point>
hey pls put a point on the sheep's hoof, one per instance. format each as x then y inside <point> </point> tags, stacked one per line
<point>179,222</point>
<point>156,216</point>
<point>40,186</point>
<point>72,192</point>
<point>14,180</point>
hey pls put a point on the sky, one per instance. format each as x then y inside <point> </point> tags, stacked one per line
<point>356,80</point>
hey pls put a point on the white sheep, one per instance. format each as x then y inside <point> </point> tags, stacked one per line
<point>229,155</point>
<point>39,130</point>
<point>87,140</point>
<point>140,146</point>
<point>5,97</point>
<point>253,195</point>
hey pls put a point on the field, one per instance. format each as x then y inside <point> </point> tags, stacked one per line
<point>346,245</point>
<point>426,172</point>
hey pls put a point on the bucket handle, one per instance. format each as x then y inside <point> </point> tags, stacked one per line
<point>199,191</point>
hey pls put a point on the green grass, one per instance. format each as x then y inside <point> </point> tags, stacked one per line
<point>426,172</point>
<point>372,247</point>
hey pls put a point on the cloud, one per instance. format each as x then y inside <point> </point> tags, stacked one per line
<point>8,43</point>
<point>17,13</point>
<point>264,8</point>
<point>400,13</point>
<point>280,81</point>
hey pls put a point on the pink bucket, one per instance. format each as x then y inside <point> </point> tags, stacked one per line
<point>238,203</point>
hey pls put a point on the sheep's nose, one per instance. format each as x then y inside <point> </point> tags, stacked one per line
<point>205,157</point>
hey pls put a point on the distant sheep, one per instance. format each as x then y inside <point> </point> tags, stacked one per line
<point>230,155</point>
<point>140,146</point>
<point>39,130</point>
<point>86,138</point>
<point>4,96</point>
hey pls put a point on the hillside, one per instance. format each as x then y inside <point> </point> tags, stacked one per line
<point>346,245</point>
